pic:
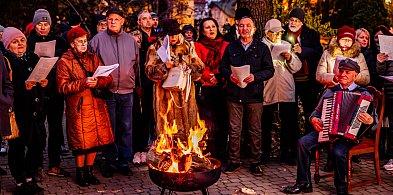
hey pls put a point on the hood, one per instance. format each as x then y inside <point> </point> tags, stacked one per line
<point>335,50</point>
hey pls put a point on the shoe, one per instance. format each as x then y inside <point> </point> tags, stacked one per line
<point>137,158</point>
<point>57,171</point>
<point>107,171</point>
<point>92,179</point>
<point>81,177</point>
<point>298,188</point>
<point>232,168</point>
<point>143,157</point>
<point>2,171</point>
<point>40,176</point>
<point>256,169</point>
<point>389,165</point>
<point>126,171</point>
<point>32,188</point>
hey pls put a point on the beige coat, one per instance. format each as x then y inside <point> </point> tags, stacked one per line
<point>186,114</point>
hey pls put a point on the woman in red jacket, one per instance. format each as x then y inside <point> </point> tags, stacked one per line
<point>210,96</point>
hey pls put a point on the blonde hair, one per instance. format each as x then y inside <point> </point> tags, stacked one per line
<point>363,30</point>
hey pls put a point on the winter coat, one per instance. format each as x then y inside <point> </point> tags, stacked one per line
<point>311,48</point>
<point>202,52</point>
<point>259,58</point>
<point>120,49</point>
<point>281,87</point>
<point>328,59</point>
<point>386,69</point>
<point>87,117</point>
<point>28,104</point>
<point>6,98</point>
<point>184,113</point>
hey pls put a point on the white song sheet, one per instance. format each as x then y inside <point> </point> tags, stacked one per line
<point>45,49</point>
<point>105,70</point>
<point>42,69</point>
<point>241,73</point>
<point>164,52</point>
<point>278,49</point>
<point>386,44</point>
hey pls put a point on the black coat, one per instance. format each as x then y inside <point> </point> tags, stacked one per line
<point>6,98</point>
<point>311,48</point>
<point>386,69</point>
<point>259,58</point>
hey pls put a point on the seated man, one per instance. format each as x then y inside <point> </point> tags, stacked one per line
<point>348,70</point>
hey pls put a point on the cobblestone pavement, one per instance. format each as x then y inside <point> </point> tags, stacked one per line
<point>275,176</point>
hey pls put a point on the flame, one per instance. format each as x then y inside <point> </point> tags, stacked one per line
<point>179,151</point>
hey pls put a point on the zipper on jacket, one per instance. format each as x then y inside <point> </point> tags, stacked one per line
<point>118,69</point>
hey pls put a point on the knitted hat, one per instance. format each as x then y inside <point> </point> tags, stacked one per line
<point>2,28</point>
<point>75,33</point>
<point>242,12</point>
<point>41,15</point>
<point>297,13</point>
<point>273,25</point>
<point>9,34</point>
<point>346,31</point>
<point>114,10</point>
<point>349,64</point>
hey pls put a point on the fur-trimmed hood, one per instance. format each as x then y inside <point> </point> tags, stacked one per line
<point>335,50</point>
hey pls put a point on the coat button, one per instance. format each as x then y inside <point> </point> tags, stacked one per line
<point>34,113</point>
<point>37,99</point>
<point>30,69</point>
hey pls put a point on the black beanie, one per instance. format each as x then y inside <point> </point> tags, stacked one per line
<point>297,13</point>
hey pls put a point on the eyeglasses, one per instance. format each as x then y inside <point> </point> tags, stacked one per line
<point>81,42</point>
<point>276,33</point>
<point>116,20</point>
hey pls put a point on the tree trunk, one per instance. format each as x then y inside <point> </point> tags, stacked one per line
<point>261,11</point>
<point>182,10</point>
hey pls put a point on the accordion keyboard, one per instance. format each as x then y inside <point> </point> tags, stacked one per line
<point>326,119</point>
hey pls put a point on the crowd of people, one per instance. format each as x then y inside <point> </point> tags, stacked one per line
<point>120,115</point>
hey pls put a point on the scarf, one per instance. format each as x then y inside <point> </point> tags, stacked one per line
<point>214,46</point>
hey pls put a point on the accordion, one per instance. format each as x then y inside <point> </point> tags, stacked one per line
<point>339,115</point>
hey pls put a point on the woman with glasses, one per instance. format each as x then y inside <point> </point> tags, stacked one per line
<point>89,127</point>
<point>346,47</point>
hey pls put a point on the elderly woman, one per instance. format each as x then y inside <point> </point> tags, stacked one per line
<point>183,104</point>
<point>88,121</point>
<point>28,110</point>
<point>211,100</point>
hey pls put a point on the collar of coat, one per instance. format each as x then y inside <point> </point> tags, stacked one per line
<point>335,50</point>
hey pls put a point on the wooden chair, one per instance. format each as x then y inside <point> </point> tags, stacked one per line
<point>366,146</point>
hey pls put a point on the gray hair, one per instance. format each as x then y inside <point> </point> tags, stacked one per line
<point>142,12</point>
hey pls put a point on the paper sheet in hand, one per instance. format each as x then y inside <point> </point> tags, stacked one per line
<point>385,43</point>
<point>389,78</point>
<point>241,73</point>
<point>105,70</point>
<point>45,49</point>
<point>278,49</point>
<point>42,69</point>
<point>337,62</point>
<point>164,52</point>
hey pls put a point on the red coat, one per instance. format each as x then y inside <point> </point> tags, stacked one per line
<point>208,72</point>
<point>87,117</point>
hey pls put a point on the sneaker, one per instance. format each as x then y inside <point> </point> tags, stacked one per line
<point>137,158</point>
<point>389,165</point>
<point>143,157</point>
<point>232,168</point>
<point>40,175</point>
<point>256,169</point>
<point>57,171</point>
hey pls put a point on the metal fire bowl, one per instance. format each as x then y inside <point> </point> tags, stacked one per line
<point>186,182</point>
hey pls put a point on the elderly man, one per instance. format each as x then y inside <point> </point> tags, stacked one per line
<point>348,72</point>
<point>246,51</point>
<point>114,46</point>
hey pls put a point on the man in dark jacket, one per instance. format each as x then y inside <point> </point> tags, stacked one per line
<point>308,48</point>
<point>246,51</point>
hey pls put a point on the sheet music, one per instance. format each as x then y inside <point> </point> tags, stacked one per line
<point>241,73</point>
<point>385,43</point>
<point>105,70</point>
<point>164,52</point>
<point>278,49</point>
<point>42,69</point>
<point>45,49</point>
<point>389,78</point>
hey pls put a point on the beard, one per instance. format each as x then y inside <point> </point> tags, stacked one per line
<point>294,29</point>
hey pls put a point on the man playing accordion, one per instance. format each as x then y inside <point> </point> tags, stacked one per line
<point>348,70</point>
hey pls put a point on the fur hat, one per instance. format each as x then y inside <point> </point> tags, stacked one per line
<point>346,31</point>
<point>349,64</point>
<point>242,12</point>
<point>9,34</point>
<point>297,13</point>
<point>41,15</point>
<point>170,27</point>
<point>75,33</point>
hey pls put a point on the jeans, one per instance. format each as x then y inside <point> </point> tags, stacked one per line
<point>254,114</point>
<point>339,157</point>
<point>120,113</point>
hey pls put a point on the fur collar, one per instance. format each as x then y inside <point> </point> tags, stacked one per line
<point>335,50</point>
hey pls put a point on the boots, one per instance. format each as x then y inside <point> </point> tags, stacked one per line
<point>81,177</point>
<point>91,178</point>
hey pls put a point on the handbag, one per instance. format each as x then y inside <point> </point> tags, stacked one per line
<point>176,80</point>
<point>13,125</point>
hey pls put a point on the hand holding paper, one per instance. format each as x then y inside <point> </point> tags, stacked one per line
<point>105,70</point>
<point>241,73</point>
<point>385,43</point>
<point>42,69</point>
<point>278,49</point>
